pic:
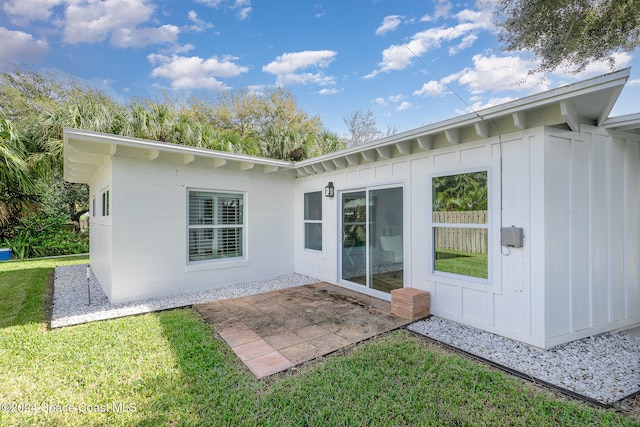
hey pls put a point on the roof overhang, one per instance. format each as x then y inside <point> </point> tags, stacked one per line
<point>627,123</point>
<point>86,153</point>
<point>586,102</point>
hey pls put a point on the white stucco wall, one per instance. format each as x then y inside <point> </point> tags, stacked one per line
<point>100,241</point>
<point>149,217</point>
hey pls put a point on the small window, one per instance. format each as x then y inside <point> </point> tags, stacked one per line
<point>460,224</point>
<point>93,206</point>
<point>216,225</point>
<point>313,221</point>
<point>105,203</point>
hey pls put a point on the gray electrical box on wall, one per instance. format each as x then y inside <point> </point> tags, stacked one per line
<point>511,236</point>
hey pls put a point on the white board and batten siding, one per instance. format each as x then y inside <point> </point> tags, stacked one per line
<point>575,194</point>
<point>592,237</point>
<point>149,218</point>
<point>505,304</point>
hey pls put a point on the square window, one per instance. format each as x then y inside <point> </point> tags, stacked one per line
<point>216,225</point>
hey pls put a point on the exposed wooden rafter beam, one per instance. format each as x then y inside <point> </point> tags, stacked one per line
<point>82,168</point>
<point>188,158</point>
<point>92,148</point>
<point>154,154</point>
<point>404,147</point>
<point>482,129</point>
<point>452,135</point>
<point>519,120</point>
<point>219,162</point>
<point>425,142</point>
<point>245,166</point>
<point>353,159</point>
<point>270,168</point>
<point>569,114</point>
<point>384,152</point>
<point>318,167</point>
<point>328,165</point>
<point>368,156</point>
<point>340,162</point>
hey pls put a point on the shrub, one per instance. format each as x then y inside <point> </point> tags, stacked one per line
<point>42,236</point>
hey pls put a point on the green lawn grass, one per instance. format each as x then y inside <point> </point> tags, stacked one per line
<point>169,368</point>
<point>463,263</point>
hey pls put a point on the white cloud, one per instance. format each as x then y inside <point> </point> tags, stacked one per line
<point>198,24</point>
<point>17,47</point>
<point>244,13</point>
<point>389,23</point>
<point>140,37</point>
<point>210,3</point>
<point>500,73</point>
<point>23,12</point>
<point>243,7</point>
<point>634,82</point>
<point>305,78</point>
<point>380,101</point>
<point>479,104</point>
<point>396,101</point>
<point>466,43</point>
<point>93,22</point>
<point>398,57</point>
<point>287,67</point>
<point>432,88</point>
<point>442,8</point>
<point>622,59</point>
<point>194,72</point>
<point>120,21</point>
<point>257,90</point>
<point>319,11</point>
<point>327,91</point>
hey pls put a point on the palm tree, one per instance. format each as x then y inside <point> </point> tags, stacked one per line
<point>17,181</point>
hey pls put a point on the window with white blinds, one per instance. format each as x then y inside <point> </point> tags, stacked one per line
<point>216,225</point>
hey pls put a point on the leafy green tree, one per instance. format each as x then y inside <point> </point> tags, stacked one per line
<point>460,192</point>
<point>17,182</point>
<point>569,33</point>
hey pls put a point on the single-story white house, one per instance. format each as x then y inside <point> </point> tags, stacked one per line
<point>522,220</point>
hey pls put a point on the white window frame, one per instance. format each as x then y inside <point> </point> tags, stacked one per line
<point>313,221</point>
<point>105,203</point>
<point>487,226</point>
<point>93,207</point>
<point>214,262</point>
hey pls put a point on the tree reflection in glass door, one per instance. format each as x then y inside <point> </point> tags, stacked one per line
<point>354,237</point>
<point>372,240</point>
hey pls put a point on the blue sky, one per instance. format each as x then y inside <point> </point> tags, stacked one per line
<point>407,61</point>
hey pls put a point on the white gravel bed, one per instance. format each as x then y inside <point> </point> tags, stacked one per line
<point>71,299</point>
<point>605,368</point>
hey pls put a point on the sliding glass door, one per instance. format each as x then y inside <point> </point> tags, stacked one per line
<point>354,237</point>
<point>372,239</point>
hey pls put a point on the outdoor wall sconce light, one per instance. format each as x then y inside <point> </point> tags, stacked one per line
<point>328,190</point>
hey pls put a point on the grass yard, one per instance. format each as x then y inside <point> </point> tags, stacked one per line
<point>463,263</point>
<point>168,368</point>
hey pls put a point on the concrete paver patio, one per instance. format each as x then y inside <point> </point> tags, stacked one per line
<point>274,331</point>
